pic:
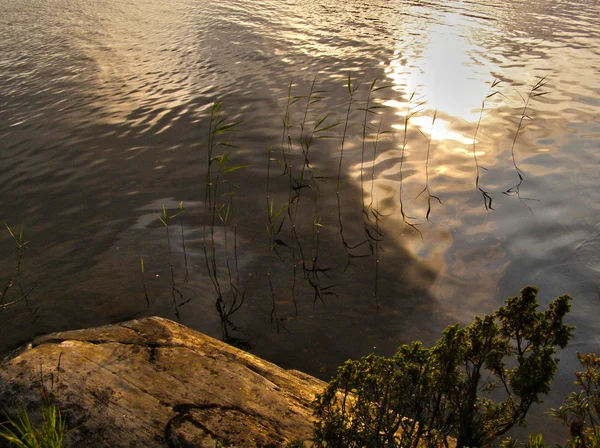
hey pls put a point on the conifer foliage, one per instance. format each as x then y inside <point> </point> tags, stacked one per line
<point>471,387</point>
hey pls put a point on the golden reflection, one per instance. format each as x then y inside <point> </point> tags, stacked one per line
<point>441,130</point>
<point>444,69</point>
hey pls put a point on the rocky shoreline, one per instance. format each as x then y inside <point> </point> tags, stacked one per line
<point>155,383</point>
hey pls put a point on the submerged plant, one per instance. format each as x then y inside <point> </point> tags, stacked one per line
<point>370,214</point>
<point>15,280</point>
<point>165,219</point>
<point>535,92</point>
<point>218,165</point>
<point>487,199</point>
<point>299,223</point>
<point>352,86</point>
<point>426,188</point>
<point>304,181</point>
<point>413,106</point>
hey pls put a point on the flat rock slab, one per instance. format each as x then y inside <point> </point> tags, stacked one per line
<point>155,383</point>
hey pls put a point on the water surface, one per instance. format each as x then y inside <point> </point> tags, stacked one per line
<point>104,117</point>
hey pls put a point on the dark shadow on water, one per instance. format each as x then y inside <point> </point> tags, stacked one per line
<point>94,224</point>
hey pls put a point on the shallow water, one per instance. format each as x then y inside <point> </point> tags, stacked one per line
<point>104,116</point>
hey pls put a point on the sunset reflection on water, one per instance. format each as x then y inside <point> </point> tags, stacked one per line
<point>442,71</point>
<point>105,123</point>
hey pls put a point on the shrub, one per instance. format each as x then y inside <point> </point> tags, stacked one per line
<point>581,411</point>
<point>427,396</point>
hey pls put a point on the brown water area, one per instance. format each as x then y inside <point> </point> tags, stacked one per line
<point>399,166</point>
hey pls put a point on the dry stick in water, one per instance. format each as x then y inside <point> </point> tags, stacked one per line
<point>533,93</point>
<point>24,296</point>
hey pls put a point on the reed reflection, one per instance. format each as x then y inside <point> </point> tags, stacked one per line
<point>427,181</point>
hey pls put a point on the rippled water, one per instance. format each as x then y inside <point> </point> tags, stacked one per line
<point>104,112</point>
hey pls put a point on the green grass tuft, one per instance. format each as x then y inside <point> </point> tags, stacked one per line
<point>20,431</point>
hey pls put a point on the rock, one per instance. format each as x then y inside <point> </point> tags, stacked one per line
<point>155,383</point>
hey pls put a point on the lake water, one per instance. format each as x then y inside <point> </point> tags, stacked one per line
<point>104,118</point>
